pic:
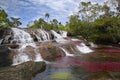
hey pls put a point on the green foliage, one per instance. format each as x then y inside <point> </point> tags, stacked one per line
<point>108,30</point>
<point>5,22</point>
<point>105,29</point>
<point>41,23</point>
<point>3,18</point>
<point>15,22</point>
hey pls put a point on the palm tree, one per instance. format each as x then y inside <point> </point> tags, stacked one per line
<point>41,22</point>
<point>15,22</point>
<point>55,24</point>
<point>47,15</point>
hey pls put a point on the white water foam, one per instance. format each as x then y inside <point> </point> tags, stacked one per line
<point>93,45</point>
<point>20,58</point>
<point>83,48</point>
<point>38,57</point>
<point>24,39</point>
<point>75,39</point>
<point>63,33</point>
<point>44,35</point>
<point>58,37</point>
<point>66,52</point>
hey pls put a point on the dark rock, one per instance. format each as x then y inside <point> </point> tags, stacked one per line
<point>24,71</point>
<point>13,46</point>
<point>5,56</point>
<point>6,35</point>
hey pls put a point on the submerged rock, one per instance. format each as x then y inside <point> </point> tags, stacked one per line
<point>24,71</point>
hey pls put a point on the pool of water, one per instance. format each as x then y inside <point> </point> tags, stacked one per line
<point>102,64</point>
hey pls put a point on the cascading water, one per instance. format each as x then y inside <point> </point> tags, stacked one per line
<point>23,39</point>
<point>58,37</point>
<point>63,33</point>
<point>66,52</point>
<point>83,48</point>
<point>44,35</point>
<point>38,56</point>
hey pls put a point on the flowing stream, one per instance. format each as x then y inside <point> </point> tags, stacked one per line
<point>23,39</point>
<point>73,60</point>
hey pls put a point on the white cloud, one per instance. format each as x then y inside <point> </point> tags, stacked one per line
<point>34,9</point>
<point>58,5</point>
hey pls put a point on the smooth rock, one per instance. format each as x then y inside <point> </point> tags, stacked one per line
<point>24,71</point>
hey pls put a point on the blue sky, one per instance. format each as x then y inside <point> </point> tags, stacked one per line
<point>29,10</point>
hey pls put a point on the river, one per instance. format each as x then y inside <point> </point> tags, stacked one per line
<point>102,64</point>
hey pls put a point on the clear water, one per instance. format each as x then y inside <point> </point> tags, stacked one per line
<point>102,64</point>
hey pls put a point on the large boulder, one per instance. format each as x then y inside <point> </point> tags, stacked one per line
<point>24,71</point>
<point>5,59</point>
<point>50,51</point>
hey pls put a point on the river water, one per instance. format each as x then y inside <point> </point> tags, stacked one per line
<point>80,62</point>
<point>102,64</point>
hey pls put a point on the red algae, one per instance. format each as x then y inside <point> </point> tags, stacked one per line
<point>97,66</point>
<point>89,66</point>
<point>112,50</point>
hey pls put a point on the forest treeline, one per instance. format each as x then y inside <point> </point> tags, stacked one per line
<point>99,23</point>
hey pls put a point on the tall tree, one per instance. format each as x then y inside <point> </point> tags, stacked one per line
<point>15,22</point>
<point>54,23</point>
<point>47,15</point>
<point>41,22</point>
<point>73,24</point>
<point>88,11</point>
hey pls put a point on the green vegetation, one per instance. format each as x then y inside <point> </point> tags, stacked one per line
<point>6,22</point>
<point>52,25</point>
<point>3,18</point>
<point>95,22</point>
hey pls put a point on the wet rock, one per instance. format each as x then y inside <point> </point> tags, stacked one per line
<point>6,35</point>
<point>30,51</point>
<point>49,51</point>
<point>40,34</point>
<point>24,71</point>
<point>5,56</point>
<point>13,46</point>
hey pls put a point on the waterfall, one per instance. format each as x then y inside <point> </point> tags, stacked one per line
<point>63,33</point>
<point>66,52</point>
<point>20,58</point>
<point>44,35</point>
<point>83,48</point>
<point>92,45</point>
<point>38,57</point>
<point>58,37</point>
<point>24,39</point>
